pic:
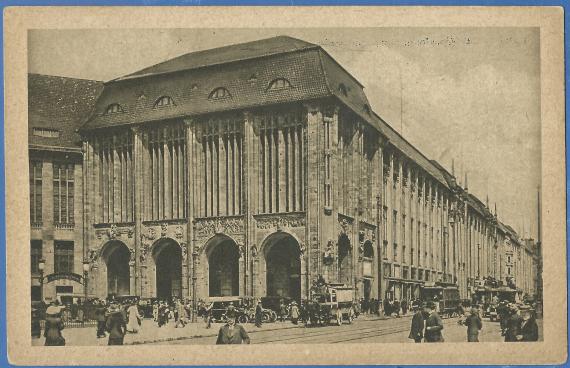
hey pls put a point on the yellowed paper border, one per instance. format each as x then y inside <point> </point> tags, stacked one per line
<point>17,20</point>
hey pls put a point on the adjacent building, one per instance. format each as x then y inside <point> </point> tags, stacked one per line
<point>250,170</point>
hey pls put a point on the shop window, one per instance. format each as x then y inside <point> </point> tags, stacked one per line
<point>36,255</point>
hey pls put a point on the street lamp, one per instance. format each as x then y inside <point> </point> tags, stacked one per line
<point>85,274</point>
<point>41,267</point>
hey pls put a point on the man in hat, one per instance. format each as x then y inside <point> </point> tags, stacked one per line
<point>53,325</point>
<point>417,328</point>
<point>528,328</point>
<point>232,333</point>
<point>116,325</point>
<point>100,317</point>
<point>474,324</point>
<point>513,324</point>
<point>434,324</point>
<point>258,314</point>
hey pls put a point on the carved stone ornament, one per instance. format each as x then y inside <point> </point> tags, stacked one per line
<point>163,230</point>
<point>179,232</point>
<point>281,221</point>
<point>113,232</point>
<point>184,249</point>
<point>302,248</point>
<point>206,228</point>
<point>328,254</point>
<point>132,256</point>
<point>92,255</point>
<point>143,252</point>
<point>254,251</point>
<point>241,250</point>
<point>345,225</point>
<point>150,234</point>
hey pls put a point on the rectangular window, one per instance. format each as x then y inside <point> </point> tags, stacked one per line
<point>63,257</point>
<point>394,226</point>
<point>63,193</point>
<point>36,253</point>
<point>46,133</point>
<point>36,192</point>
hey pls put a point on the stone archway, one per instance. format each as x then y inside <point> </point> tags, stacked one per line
<point>282,256</point>
<point>167,256</point>
<point>344,260</point>
<point>116,256</point>
<point>223,266</point>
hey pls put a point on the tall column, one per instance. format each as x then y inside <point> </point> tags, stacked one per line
<point>138,187</point>
<point>313,188</point>
<point>192,171</point>
<point>251,165</point>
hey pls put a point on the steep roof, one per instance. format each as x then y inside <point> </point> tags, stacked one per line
<point>60,105</point>
<point>224,55</point>
<point>245,71</point>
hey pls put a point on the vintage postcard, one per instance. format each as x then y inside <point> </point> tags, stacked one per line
<point>290,178</point>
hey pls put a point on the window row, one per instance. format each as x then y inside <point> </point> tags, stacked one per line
<point>63,256</point>
<point>217,94</point>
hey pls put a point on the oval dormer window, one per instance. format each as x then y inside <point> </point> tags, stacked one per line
<point>219,93</point>
<point>279,83</point>
<point>114,109</point>
<point>164,101</point>
<point>367,109</point>
<point>342,89</point>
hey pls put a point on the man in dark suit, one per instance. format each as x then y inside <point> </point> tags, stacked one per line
<point>417,329</point>
<point>513,324</point>
<point>231,333</point>
<point>100,311</point>
<point>529,328</point>
<point>434,325</point>
<point>474,324</point>
<point>116,325</point>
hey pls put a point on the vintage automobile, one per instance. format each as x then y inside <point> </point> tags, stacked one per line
<point>446,295</point>
<point>331,303</point>
<point>221,305</point>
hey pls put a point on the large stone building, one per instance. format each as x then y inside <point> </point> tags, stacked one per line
<point>251,169</point>
<point>57,107</point>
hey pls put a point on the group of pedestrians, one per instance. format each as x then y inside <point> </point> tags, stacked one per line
<point>427,325</point>
<point>519,324</point>
<point>177,310</point>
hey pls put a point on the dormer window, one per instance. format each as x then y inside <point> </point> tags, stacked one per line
<point>114,109</point>
<point>279,83</point>
<point>367,109</point>
<point>164,101</point>
<point>342,89</point>
<point>219,93</point>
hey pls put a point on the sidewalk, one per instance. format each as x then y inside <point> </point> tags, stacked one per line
<point>150,332</point>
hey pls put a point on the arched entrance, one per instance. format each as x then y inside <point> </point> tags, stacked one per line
<point>344,260</point>
<point>223,267</point>
<point>167,256</point>
<point>117,256</point>
<point>283,266</point>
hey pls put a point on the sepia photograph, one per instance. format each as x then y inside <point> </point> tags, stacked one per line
<point>286,185</point>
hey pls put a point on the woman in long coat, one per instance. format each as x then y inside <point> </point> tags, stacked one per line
<point>53,327</point>
<point>134,318</point>
<point>258,314</point>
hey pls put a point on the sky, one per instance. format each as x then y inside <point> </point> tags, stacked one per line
<point>471,95</point>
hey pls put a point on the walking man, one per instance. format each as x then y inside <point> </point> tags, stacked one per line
<point>116,325</point>
<point>474,324</point>
<point>529,328</point>
<point>434,325</point>
<point>231,333</point>
<point>258,314</point>
<point>417,329</point>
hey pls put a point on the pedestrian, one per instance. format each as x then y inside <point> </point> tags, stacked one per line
<point>208,314</point>
<point>100,318</point>
<point>181,311</point>
<point>417,328</point>
<point>155,311</point>
<point>503,315</point>
<point>434,325</point>
<point>513,324</point>
<point>232,333</point>
<point>116,325</point>
<point>294,312</point>
<point>529,328</point>
<point>474,324</point>
<point>80,312</point>
<point>397,308</point>
<point>134,318</point>
<point>404,307</point>
<point>53,326</point>
<point>282,311</point>
<point>258,314</point>
<point>387,309</point>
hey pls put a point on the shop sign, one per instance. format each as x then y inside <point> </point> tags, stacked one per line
<point>64,276</point>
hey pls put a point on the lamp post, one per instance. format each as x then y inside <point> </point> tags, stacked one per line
<point>85,279</point>
<point>41,267</point>
<point>194,278</point>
